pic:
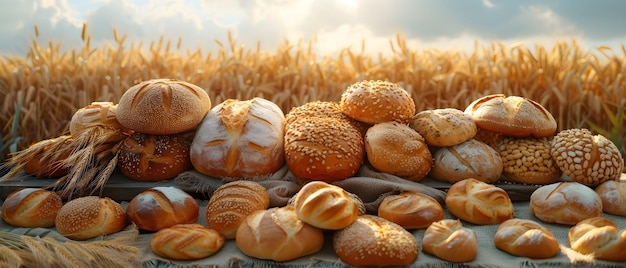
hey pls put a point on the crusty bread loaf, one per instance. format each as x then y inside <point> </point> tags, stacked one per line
<point>186,242</point>
<point>598,236</point>
<point>31,207</point>
<point>397,149</point>
<point>96,114</point>
<point>444,127</point>
<point>90,216</point>
<point>448,240</point>
<point>469,159</point>
<point>145,157</point>
<point>163,107</point>
<point>325,206</point>
<point>479,202</point>
<point>375,102</point>
<point>526,238</point>
<point>161,207</point>
<point>49,161</point>
<point>565,203</point>
<point>375,241</point>
<point>277,234</point>
<point>528,160</point>
<point>232,202</point>
<point>613,196</point>
<point>411,210</point>
<point>240,139</point>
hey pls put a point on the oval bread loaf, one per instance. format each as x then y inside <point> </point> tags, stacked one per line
<point>478,202</point>
<point>325,206</point>
<point>565,202</point>
<point>186,242</point>
<point>90,216</point>
<point>411,210</point>
<point>526,238</point>
<point>162,207</point>
<point>448,240</point>
<point>31,207</point>
<point>598,236</point>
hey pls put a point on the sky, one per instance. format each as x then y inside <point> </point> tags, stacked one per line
<point>331,24</point>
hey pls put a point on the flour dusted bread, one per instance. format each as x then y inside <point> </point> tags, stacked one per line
<point>565,203</point>
<point>375,101</point>
<point>90,216</point>
<point>526,238</point>
<point>479,202</point>
<point>613,196</point>
<point>31,208</point>
<point>449,240</point>
<point>469,159</point>
<point>411,210</point>
<point>186,242</point>
<point>325,206</point>
<point>162,207</point>
<point>444,127</point>
<point>598,236</point>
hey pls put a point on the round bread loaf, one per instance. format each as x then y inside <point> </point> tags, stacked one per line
<point>96,114</point>
<point>31,208</point>
<point>325,206</point>
<point>600,237</point>
<point>232,202</point>
<point>512,116</point>
<point>240,139</point>
<point>145,157</point>
<point>375,102</point>
<point>444,127</point>
<point>565,203</point>
<point>48,162</point>
<point>162,207</point>
<point>375,241</point>
<point>479,202</point>
<point>448,240</point>
<point>90,216</point>
<point>397,149</point>
<point>186,242</point>
<point>163,107</point>
<point>613,196</point>
<point>411,210</point>
<point>277,234</point>
<point>469,159</point>
<point>322,109</point>
<point>526,238</point>
<point>528,160</point>
<point>586,158</point>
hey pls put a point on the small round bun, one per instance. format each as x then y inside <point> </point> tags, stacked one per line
<point>375,102</point>
<point>444,127</point>
<point>325,206</point>
<point>512,116</point>
<point>90,216</point>
<point>397,149</point>
<point>613,196</point>
<point>96,114</point>
<point>163,107</point>
<point>565,203</point>
<point>478,202</point>
<point>375,241</point>
<point>528,160</point>
<point>600,237</point>
<point>161,207</point>
<point>450,241</point>
<point>31,208</point>
<point>186,242</point>
<point>586,158</point>
<point>411,210</point>
<point>526,238</point>
<point>469,159</point>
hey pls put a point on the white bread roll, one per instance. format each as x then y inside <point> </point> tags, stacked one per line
<point>31,208</point>
<point>478,202</point>
<point>186,242</point>
<point>277,234</point>
<point>240,139</point>
<point>448,240</point>
<point>469,159</point>
<point>526,238</point>
<point>162,207</point>
<point>411,210</point>
<point>565,203</point>
<point>325,206</point>
<point>613,196</point>
<point>444,127</point>
<point>90,216</point>
<point>598,236</point>
<point>375,102</point>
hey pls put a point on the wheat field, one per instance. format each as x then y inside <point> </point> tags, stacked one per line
<point>40,91</point>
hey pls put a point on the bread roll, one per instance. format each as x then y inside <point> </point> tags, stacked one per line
<point>613,196</point>
<point>145,157</point>
<point>162,207</point>
<point>277,234</point>
<point>469,159</point>
<point>375,102</point>
<point>240,139</point>
<point>528,160</point>
<point>512,116</point>
<point>526,238</point>
<point>96,114</point>
<point>478,202</point>
<point>31,208</point>
<point>598,236</point>
<point>232,202</point>
<point>411,210</point>
<point>163,107</point>
<point>48,162</point>
<point>325,206</point>
<point>397,149</point>
<point>450,241</point>
<point>444,127</point>
<point>565,203</point>
<point>90,216</point>
<point>374,241</point>
<point>323,109</point>
<point>186,242</point>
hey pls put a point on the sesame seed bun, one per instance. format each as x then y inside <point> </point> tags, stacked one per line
<point>90,216</point>
<point>376,102</point>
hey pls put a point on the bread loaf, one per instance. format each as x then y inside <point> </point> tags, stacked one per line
<point>565,203</point>
<point>49,161</point>
<point>96,114</point>
<point>186,242</point>
<point>411,210</point>
<point>613,196</point>
<point>325,206</point>
<point>444,127</point>
<point>469,159</point>
<point>31,208</point>
<point>478,202</point>
<point>448,240</point>
<point>240,139</point>
<point>162,207</point>
<point>598,236</point>
<point>232,202</point>
<point>90,216</point>
<point>374,241</point>
<point>526,238</point>
<point>528,160</point>
<point>375,102</point>
<point>277,234</point>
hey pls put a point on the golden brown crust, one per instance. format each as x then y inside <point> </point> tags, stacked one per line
<point>90,216</point>
<point>161,207</point>
<point>96,114</point>
<point>613,196</point>
<point>31,208</point>
<point>598,236</point>
<point>48,163</point>
<point>186,242</point>
<point>528,160</point>
<point>375,102</point>
<point>478,202</point>
<point>411,210</point>
<point>444,127</point>
<point>526,238</point>
<point>325,206</point>
<point>565,203</point>
<point>469,159</point>
<point>448,240</point>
